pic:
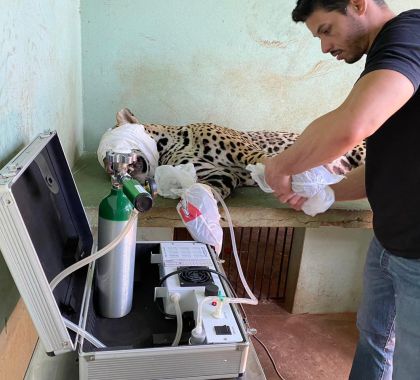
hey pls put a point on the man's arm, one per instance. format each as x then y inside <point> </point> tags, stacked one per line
<point>373,99</point>
<point>352,187</point>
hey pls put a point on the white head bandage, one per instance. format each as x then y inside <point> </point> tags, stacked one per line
<point>127,137</point>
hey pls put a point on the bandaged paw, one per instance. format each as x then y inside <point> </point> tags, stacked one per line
<point>312,184</point>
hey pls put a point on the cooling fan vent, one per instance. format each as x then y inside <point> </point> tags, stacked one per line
<point>194,276</point>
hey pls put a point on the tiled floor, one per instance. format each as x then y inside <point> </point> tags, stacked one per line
<point>305,346</point>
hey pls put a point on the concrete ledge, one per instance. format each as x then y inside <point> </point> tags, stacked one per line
<point>248,206</point>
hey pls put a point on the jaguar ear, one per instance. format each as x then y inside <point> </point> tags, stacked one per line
<point>126,116</point>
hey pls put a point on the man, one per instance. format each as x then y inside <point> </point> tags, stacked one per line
<point>383,107</point>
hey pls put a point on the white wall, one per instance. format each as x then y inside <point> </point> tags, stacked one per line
<point>40,87</point>
<point>241,64</point>
<point>330,274</point>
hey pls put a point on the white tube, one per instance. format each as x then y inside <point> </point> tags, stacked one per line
<point>198,329</point>
<point>235,252</point>
<point>238,300</point>
<point>218,311</point>
<point>175,297</point>
<point>199,318</point>
<point>87,260</point>
<point>89,337</point>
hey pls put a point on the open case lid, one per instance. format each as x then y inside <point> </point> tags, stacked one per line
<point>43,230</point>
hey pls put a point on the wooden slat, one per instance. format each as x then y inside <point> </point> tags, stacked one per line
<point>17,343</point>
<point>264,254</point>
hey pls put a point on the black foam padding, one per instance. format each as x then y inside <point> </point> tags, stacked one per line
<point>135,330</point>
<point>50,206</point>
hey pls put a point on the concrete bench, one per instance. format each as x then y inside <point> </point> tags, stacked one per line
<point>328,250</point>
<point>248,206</point>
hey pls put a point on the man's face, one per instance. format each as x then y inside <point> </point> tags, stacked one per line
<point>343,36</point>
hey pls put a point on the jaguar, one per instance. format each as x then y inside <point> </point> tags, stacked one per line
<point>220,154</point>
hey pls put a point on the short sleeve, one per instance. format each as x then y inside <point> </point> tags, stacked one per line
<point>397,47</point>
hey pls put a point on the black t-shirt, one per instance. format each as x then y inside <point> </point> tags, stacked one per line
<point>393,151</point>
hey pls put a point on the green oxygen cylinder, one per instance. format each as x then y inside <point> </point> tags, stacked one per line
<point>115,270</point>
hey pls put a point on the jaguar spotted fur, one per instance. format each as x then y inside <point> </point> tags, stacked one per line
<point>219,154</point>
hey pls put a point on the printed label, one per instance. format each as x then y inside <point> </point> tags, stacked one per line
<point>188,213</point>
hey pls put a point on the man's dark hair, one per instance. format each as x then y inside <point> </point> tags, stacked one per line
<point>304,8</point>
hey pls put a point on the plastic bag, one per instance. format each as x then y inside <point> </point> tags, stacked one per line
<point>200,214</point>
<point>311,184</point>
<point>171,181</point>
<point>197,207</point>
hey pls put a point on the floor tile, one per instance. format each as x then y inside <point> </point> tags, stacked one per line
<point>305,346</point>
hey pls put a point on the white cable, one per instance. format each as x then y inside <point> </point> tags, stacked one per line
<point>57,279</point>
<point>89,337</point>
<point>175,297</point>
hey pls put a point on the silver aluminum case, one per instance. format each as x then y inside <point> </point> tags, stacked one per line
<point>175,363</point>
<point>197,362</point>
<point>22,258</point>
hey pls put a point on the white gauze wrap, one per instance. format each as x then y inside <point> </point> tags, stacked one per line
<point>311,184</point>
<point>127,137</point>
<point>172,181</point>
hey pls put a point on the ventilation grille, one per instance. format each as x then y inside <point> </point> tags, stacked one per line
<point>264,254</point>
<point>194,276</point>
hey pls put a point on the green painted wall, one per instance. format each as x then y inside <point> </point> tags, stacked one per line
<point>239,63</point>
<point>40,87</point>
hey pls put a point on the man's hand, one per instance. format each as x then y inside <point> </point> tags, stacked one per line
<point>281,185</point>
